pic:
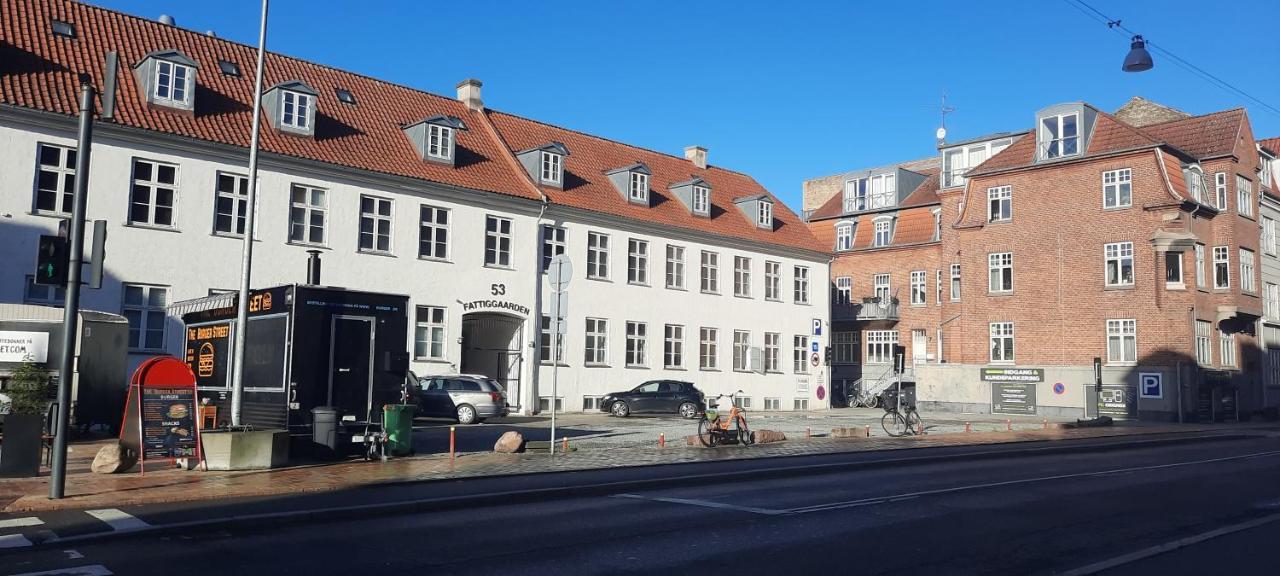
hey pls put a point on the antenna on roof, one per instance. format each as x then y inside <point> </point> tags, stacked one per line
<point>942,130</point>
<point>167,20</point>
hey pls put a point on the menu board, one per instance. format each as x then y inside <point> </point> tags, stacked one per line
<point>208,350</point>
<point>1119,401</point>
<point>168,422</point>
<point>1013,398</point>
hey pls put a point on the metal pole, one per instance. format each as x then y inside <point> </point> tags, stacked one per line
<point>246,265</point>
<point>555,353</point>
<point>71,309</point>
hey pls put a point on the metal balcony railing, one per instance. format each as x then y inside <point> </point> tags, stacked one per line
<point>876,308</point>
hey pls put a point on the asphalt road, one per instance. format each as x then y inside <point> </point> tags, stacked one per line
<point>1191,508</point>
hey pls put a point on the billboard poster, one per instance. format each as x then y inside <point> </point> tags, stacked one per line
<point>1013,398</point>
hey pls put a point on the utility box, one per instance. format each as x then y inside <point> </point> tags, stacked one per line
<point>31,333</point>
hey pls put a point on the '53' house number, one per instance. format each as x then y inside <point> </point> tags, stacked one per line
<point>498,289</point>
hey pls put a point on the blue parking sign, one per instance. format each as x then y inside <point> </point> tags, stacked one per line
<point>817,328</point>
<point>1151,385</point>
<point>814,345</point>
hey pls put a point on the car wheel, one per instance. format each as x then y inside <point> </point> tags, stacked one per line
<point>689,410</point>
<point>466,414</point>
<point>620,409</point>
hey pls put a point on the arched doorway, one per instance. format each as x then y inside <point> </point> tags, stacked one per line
<point>491,345</point>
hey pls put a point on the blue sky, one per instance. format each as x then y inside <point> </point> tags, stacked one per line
<point>782,94</point>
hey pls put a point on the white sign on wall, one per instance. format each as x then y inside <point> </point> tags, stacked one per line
<point>24,346</point>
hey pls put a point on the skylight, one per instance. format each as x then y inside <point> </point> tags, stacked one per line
<point>345,96</point>
<point>229,68</point>
<point>65,29</point>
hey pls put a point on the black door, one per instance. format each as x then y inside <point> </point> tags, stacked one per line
<point>644,398</point>
<point>351,362</point>
<point>668,399</point>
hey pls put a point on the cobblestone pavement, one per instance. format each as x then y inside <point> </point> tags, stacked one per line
<point>87,490</point>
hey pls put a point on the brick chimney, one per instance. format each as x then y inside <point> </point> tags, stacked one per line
<point>469,94</point>
<point>697,155</point>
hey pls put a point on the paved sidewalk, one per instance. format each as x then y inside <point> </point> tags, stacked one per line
<point>87,490</point>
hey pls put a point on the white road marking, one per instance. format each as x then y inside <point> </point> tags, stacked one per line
<point>1169,546</point>
<point>14,541</point>
<point>73,554</point>
<point>20,522</point>
<point>117,519</point>
<point>912,495</point>
<point>91,570</point>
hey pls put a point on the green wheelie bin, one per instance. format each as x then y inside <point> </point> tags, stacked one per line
<point>397,420</point>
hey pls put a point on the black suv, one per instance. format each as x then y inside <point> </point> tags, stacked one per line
<point>657,397</point>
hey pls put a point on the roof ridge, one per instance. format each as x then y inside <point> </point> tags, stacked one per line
<point>1131,127</point>
<point>611,140</point>
<point>297,59</point>
<point>1205,115</point>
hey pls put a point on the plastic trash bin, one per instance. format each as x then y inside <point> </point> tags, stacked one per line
<point>397,421</point>
<point>324,426</point>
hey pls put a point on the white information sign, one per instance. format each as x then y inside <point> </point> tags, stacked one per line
<point>24,346</point>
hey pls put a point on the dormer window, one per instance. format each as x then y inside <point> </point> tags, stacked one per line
<point>764,214</point>
<point>1265,170</point>
<point>1059,135</point>
<point>844,236</point>
<point>1195,183</point>
<point>173,82</point>
<point>296,112</point>
<point>701,200</point>
<point>884,191</point>
<point>883,232</point>
<point>855,195</point>
<point>439,141</point>
<point>552,167</point>
<point>639,189</point>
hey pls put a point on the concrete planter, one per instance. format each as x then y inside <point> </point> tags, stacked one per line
<point>245,450</point>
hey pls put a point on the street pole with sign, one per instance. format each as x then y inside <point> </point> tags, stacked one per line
<point>1097,386</point>
<point>559,272</point>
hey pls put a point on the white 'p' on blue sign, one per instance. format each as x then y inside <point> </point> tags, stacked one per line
<point>1151,385</point>
<point>817,326</point>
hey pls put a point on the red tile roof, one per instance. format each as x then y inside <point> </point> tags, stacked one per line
<point>39,71</point>
<point>1272,144</point>
<point>1204,136</point>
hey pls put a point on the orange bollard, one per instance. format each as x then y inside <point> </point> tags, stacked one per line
<point>808,432</point>
<point>564,444</point>
<point>1008,425</point>
<point>967,428</point>
<point>868,431</point>
<point>662,440</point>
<point>1046,424</point>
<point>453,443</point>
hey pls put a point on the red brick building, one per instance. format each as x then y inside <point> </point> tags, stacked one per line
<point>1006,266</point>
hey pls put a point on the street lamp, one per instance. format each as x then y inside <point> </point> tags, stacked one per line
<point>1138,59</point>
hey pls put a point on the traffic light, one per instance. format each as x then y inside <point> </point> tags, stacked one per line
<point>827,356</point>
<point>51,261</point>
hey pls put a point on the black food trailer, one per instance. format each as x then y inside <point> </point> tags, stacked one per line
<point>306,348</point>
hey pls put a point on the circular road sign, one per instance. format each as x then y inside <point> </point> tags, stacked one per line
<point>814,359</point>
<point>1059,388</point>
<point>559,272</point>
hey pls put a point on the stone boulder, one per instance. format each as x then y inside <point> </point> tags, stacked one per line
<point>114,459</point>
<point>510,443</point>
<point>767,436</point>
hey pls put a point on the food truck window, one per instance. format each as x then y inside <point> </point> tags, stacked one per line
<point>265,352</point>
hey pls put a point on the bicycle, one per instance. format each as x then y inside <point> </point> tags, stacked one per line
<point>901,421</point>
<point>713,430</point>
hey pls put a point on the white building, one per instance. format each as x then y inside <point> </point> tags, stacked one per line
<point>682,270</point>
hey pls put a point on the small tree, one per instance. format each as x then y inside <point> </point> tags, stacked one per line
<point>28,389</point>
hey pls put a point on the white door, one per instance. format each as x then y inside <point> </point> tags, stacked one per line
<point>919,346</point>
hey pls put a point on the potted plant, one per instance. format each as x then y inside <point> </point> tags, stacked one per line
<point>28,392</point>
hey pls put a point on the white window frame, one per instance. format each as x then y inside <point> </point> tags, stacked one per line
<point>430,332</point>
<point>673,347</point>
<point>545,347</point>
<point>439,141</point>
<point>772,404</point>
<point>153,185</point>
<point>1046,144</point>
<point>637,261</point>
<point>1268,236</point>
<point>742,276</point>
<point>64,176</point>
<point>295,110</point>
<point>179,80</point>
<point>1201,279</point>
<point>880,345</point>
<point>999,266</point>
<point>709,277</point>
<point>708,348</point>
<point>1001,343</point>
<point>937,287</point>
<point>596,342</point>
<point>919,297</point>
<point>145,312</point>
<point>1221,267</point>
<point>844,236</point>
<point>433,232</point>
<point>883,228</point>
<point>1117,188</point>
<point>555,241</point>
<point>597,256</point>
<point>1196,183</point>
<point>1244,196</point>
<point>1172,264</point>
<point>764,214</point>
<point>844,290</point>
<point>301,230</point>
<point>955,283</point>
<point>800,354</point>
<point>675,267</point>
<point>1248,276</point>
<point>238,196</point>
<point>1120,332</point>
<point>701,200</point>
<point>855,195</point>
<point>1204,344</point>
<point>1226,349</point>
<point>552,167</point>
<point>772,352</point>
<point>741,350</point>
<point>1271,300</point>
<point>1265,168</point>
<point>639,187</point>
<point>1116,255</point>
<point>1220,190</point>
<point>801,285</point>
<point>637,344</point>
<point>773,280</point>
<point>1000,204</point>
<point>844,347</point>
<point>49,295</point>
<point>499,255</point>
<point>380,221</point>
<point>882,287</point>
<point>882,191</point>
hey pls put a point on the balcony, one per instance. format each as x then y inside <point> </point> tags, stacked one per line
<point>868,310</point>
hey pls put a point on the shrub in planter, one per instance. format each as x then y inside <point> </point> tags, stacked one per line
<point>28,392</point>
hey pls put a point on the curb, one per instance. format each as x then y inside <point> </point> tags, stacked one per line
<point>270,519</point>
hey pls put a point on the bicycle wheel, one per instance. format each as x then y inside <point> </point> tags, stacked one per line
<point>893,423</point>
<point>870,400</point>
<point>914,423</point>
<point>744,433</point>
<point>705,435</point>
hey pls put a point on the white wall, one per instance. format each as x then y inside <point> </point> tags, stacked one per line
<point>192,260</point>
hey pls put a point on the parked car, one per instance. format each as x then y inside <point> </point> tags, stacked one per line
<point>467,398</point>
<point>656,397</point>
